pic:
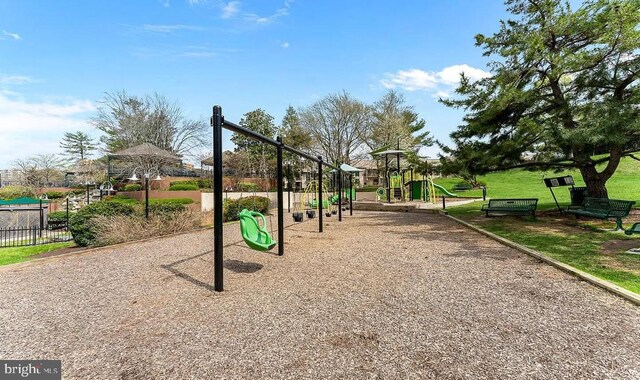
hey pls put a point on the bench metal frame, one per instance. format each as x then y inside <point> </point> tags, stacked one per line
<point>514,206</point>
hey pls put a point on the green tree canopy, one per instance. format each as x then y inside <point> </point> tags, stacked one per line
<point>564,86</point>
<point>77,145</point>
<point>396,125</point>
<point>260,155</point>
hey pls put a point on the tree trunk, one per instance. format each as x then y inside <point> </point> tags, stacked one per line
<point>596,183</point>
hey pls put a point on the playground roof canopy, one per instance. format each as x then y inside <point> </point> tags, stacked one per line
<point>20,201</point>
<point>390,151</point>
<point>349,169</point>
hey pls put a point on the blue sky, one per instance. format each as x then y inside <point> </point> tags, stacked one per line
<point>58,58</point>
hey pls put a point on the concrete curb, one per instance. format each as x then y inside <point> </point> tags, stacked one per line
<point>606,285</point>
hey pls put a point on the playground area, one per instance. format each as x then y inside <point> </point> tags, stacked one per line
<point>388,295</point>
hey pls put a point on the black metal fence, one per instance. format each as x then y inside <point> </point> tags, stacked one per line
<point>24,236</point>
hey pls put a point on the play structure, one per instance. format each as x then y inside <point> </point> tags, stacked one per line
<point>404,185</point>
<point>253,224</point>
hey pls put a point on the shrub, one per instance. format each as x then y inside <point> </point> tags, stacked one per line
<point>133,187</point>
<point>248,186</point>
<point>57,216</point>
<point>54,194</point>
<point>205,183</point>
<point>121,199</point>
<point>166,208</point>
<point>234,206</point>
<point>183,187</point>
<point>77,191</point>
<point>184,182</point>
<point>13,192</point>
<point>113,229</point>
<point>181,201</point>
<point>81,225</point>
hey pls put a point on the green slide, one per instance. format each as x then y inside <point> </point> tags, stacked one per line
<point>444,191</point>
<point>254,235</point>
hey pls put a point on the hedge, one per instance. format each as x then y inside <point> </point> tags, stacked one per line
<point>80,223</point>
<point>58,216</point>
<point>54,194</point>
<point>179,201</point>
<point>183,187</point>
<point>14,192</point>
<point>184,182</point>
<point>133,187</point>
<point>205,183</point>
<point>232,207</point>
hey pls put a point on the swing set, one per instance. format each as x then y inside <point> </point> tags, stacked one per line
<point>253,224</point>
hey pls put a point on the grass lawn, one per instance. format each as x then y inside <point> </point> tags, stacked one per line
<point>625,184</point>
<point>18,254</point>
<point>579,243</point>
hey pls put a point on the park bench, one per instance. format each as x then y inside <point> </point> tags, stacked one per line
<point>515,206</point>
<point>603,208</point>
<point>460,187</point>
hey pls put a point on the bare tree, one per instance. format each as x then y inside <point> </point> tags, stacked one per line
<point>39,171</point>
<point>128,120</point>
<point>336,124</point>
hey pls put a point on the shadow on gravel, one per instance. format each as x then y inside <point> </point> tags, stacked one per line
<point>235,266</point>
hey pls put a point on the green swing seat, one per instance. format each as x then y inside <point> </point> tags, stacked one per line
<point>255,235</point>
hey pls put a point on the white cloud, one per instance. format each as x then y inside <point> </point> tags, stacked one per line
<point>29,128</point>
<point>451,75</point>
<point>160,28</point>
<point>441,94</point>
<point>439,82</point>
<point>14,36</point>
<point>230,9</point>
<point>265,20</point>
<point>284,45</point>
<point>15,79</point>
<point>411,80</point>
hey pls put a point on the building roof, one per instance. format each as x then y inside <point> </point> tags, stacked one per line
<point>146,150</point>
<point>21,201</point>
<point>365,164</point>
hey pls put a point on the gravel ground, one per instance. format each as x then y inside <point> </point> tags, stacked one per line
<point>382,295</point>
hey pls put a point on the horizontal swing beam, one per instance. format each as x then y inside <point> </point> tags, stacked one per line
<point>257,136</point>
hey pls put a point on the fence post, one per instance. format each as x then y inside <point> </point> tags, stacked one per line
<point>41,218</point>
<point>444,203</point>
<point>35,235</point>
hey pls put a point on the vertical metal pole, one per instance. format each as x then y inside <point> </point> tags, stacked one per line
<point>280,175</point>
<point>388,175</point>
<point>41,218</point>
<point>484,193</point>
<point>88,201</point>
<point>411,184</point>
<point>218,254</point>
<point>289,188</point>
<point>350,194</point>
<point>320,212</point>
<point>100,193</point>
<point>146,196</point>
<point>339,194</point>
<point>444,203</point>
<point>67,213</point>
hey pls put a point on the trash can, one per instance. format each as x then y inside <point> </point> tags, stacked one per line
<point>578,194</point>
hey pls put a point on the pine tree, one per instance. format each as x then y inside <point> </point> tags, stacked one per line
<point>77,145</point>
<point>565,84</point>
